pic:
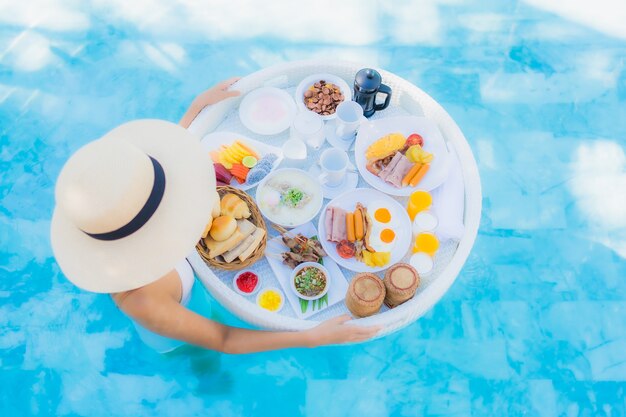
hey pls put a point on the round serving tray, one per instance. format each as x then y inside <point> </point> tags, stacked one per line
<point>407,99</point>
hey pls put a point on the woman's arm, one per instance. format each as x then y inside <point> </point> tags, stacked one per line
<point>165,316</point>
<point>213,95</point>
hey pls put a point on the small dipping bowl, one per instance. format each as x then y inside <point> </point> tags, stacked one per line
<point>267,290</point>
<point>299,268</point>
<point>240,291</point>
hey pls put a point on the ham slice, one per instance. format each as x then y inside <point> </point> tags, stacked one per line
<point>390,167</point>
<point>338,226</point>
<point>402,167</point>
<point>328,222</point>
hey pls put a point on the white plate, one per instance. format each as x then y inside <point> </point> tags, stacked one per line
<point>433,143</point>
<point>338,284</point>
<point>213,141</point>
<point>366,196</point>
<point>312,79</point>
<point>267,110</point>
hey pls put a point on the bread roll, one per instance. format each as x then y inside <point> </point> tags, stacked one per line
<point>207,228</point>
<point>234,206</point>
<point>216,206</point>
<point>232,254</point>
<point>223,227</point>
<point>258,236</point>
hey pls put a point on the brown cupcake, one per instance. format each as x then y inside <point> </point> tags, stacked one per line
<point>365,295</point>
<point>401,281</point>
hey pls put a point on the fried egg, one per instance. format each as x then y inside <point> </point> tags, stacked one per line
<point>384,227</point>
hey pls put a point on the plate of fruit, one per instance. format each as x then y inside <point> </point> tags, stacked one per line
<point>239,161</point>
<point>398,155</point>
<point>364,230</point>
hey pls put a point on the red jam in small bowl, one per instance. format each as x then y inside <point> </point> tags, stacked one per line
<point>247,282</point>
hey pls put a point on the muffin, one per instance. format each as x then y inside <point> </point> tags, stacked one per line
<point>365,295</point>
<point>401,282</point>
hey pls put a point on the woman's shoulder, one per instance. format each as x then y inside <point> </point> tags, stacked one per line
<point>140,301</point>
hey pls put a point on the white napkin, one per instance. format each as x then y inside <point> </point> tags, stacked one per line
<point>449,202</point>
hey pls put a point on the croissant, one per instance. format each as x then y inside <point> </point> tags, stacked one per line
<point>232,205</point>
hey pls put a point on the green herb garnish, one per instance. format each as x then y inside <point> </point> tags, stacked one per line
<point>292,197</point>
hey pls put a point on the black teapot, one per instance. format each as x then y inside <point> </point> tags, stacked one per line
<point>368,83</point>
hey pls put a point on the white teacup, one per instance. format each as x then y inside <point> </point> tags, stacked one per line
<point>334,163</point>
<point>349,117</point>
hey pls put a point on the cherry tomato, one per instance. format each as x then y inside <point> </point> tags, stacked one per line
<point>415,139</point>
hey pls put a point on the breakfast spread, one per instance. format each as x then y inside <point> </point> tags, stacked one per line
<point>365,295</point>
<point>323,97</point>
<point>231,235</point>
<point>398,160</point>
<point>362,230</point>
<point>401,282</point>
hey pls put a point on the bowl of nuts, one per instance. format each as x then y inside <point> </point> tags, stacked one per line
<point>322,93</point>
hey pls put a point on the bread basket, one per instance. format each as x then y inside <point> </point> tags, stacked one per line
<point>256,218</point>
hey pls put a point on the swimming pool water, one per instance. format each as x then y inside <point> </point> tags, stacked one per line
<point>534,325</point>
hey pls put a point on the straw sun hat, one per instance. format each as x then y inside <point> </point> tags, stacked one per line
<point>130,205</point>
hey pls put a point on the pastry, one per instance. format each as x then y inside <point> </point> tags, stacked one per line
<point>234,206</point>
<point>246,227</point>
<point>258,236</point>
<point>217,248</point>
<point>216,206</point>
<point>232,254</point>
<point>207,228</point>
<point>223,227</point>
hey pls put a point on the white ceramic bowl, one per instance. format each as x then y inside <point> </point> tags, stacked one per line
<point>256,289</point>
<point>300,220</point>
<point>299,268</point>
<point>312,79</point>
<point>282,298</point>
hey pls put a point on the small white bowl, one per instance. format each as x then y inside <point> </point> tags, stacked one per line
<point>282,298</point>
<point>310,80</point>
<point>256,289</point>
<point>303,265</point>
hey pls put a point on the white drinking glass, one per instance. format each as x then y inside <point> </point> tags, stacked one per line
<point>349,118</point>
<point>308,127</point>
<point>334,164</point>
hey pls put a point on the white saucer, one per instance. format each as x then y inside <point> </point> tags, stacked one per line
<point>350,181</point>
<point>344,145</point>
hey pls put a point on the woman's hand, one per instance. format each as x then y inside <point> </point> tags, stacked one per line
<point>217,93</point>
<point>335,331</point>
<point>213,95</point>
